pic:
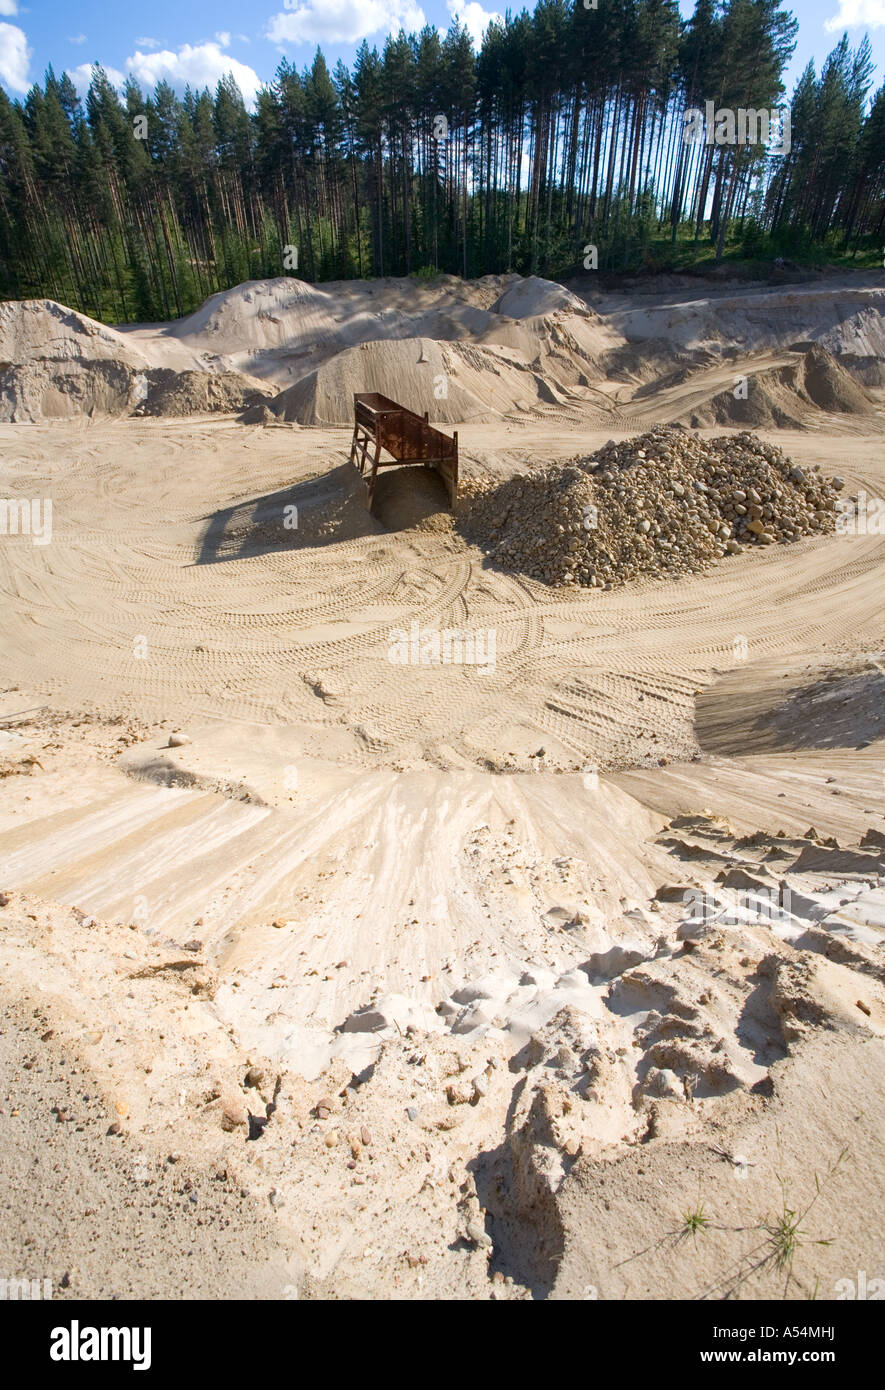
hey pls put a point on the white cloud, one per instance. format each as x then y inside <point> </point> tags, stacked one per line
<point>81,77</point>
<point>15,57</point>
<point>200,65</point>
<point>224,38</point>
<point>342,21</point>
<point>77,38</point>
<point>8,7</point>
<point>858,14</point>
<point>474,18</point>
<point>148,43</point>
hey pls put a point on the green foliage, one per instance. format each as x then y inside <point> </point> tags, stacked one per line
<point>753,240</point>
<point>563,130</point>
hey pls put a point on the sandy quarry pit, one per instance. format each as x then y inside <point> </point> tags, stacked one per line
<point>371,996</point>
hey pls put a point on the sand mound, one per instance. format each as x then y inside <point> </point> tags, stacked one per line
<point>771,402</point>
<point>533,296</point>
<point>452,383</point>
<point>286,310</point>
<point>43,390</point>
<point>258,415</point>
<point>39,330</point>
<point>784,397</point>
<point>830,387</point>
<point>283,329</point>
<point>410,371</point>
<point>256,314</point>
<point>664,503</point>
<point>55,363</point>
<point>197,393</point>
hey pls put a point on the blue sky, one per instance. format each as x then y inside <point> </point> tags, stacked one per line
<point>197,41</point>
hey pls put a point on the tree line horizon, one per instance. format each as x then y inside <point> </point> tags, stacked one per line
<point>564,132</point>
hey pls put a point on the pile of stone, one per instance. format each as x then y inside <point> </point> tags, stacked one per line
<point>666,503</point>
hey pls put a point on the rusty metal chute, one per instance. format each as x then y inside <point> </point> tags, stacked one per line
<point>380,424</point>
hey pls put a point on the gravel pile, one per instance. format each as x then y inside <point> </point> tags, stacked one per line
<point>666,503</point>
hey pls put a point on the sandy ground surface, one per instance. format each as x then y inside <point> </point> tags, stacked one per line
<point>558,976</point>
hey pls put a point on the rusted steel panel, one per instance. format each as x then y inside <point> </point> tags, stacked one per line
<point>403,434</point>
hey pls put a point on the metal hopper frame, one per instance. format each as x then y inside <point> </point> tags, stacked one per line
<point>380,424</point>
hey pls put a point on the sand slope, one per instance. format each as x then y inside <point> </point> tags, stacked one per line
<point>58,364</point>
<point>746,317</point>
<point>451,383</point>
<point>788,396</point>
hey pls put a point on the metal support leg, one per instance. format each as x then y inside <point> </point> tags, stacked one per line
<point>374,476</point>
